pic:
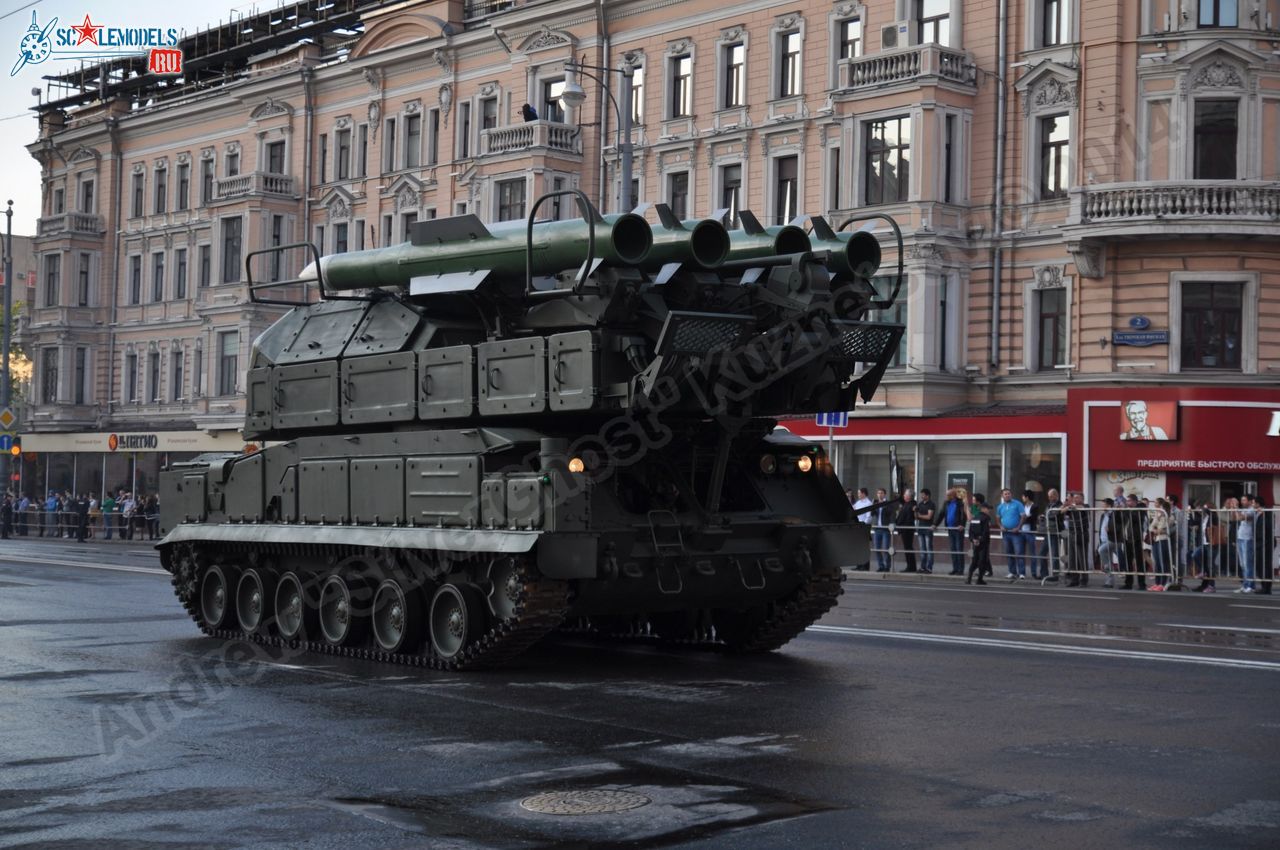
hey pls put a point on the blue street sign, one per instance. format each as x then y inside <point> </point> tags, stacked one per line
<point>6,442</point>
<point>833,420</point>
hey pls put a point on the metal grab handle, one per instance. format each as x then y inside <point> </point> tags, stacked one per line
<point>426,383</point>
<point>555,372</point>
<point>278,400</point>
<point>493,377</point>
<point>349,391</point>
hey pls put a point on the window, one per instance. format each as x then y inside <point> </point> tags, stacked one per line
<point>206,181</point>
<point>233,163</point>
<point>948,159</point>
<point>52,279</point>
<point>888,168</point>
<point>319,240</point>
<point>389,146</point>
<point>340,238</point>
<point>49,375</point>
<point>81,375</point>
<point>275,157</point>
<point>231,249</point>
<point>362,151</point>
<point>1052,328</point>
<point>386,230</point>
<point>206,265</point>
<point>551,109</point>
<point>176,376</point>
<point>511,199</point>
<point>488,113</point>
<point>82,281</point>
<point>180,273</point>
<point>1054,140</point>
<point>788,64</point>
<point>637,94</point>
<point>228,361</point>
<point>342,154</point>
<point>135,279</point>
<point>162,191</point>
<point>277,239</point>
<point>735,70</point>
<point>357,230</point>
<point>464,130</point>
<point>833,175</point>
<point>731,191</point>
<point>412,141</point>
<point>433,136</point>
<point>136,207</point>
<point>933,18</point>
<point>86,196</point>
<point>785,184</point>
<point>678,194</point>
<point>407,221</point>
<point>1217,126</point>
<point>1056,24</point>
<point>59,202</point>
<point>680,69</point>
<point>850,38</point>
<point>184,186</point>
<point>131,377</point>
<point>157,276</point>
<point>883,285</point>
<point>322,159</point>
<point>197,372</point>
<point>1212,325</point>
<point>153,376</point>
<point>1219,13</point>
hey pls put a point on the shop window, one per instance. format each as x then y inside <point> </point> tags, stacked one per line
<point>972,464</point>
<point>1055,141</point>
<point>1034,465</point>
<point>1219,13</point>
<point>865,463</point>
<point>1216,133</point>
<point>678,194</point>
<point>887,164</point>
<point>1212,325</point>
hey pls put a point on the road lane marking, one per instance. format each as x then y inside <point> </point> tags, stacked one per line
<point>123,569</point>
<point>1057,649</point>
<point>1259,607</point>
<point>1120,638</point>
<point>1217,628</point>
<point>1027,592</point>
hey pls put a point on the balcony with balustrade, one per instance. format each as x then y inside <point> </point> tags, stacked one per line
<point>906,68</point>
<point>254,184</point>
<point>545,137</point>
<point>1166,209</point>
<point>70,224</point>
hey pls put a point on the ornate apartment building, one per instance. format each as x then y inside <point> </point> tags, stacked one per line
<point>1089,193</point>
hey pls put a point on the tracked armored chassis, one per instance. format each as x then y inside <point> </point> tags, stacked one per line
<point>508,431</point>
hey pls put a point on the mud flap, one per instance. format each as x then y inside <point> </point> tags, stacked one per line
<point>843,545</point>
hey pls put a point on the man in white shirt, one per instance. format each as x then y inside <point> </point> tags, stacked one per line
<point>862,515</point>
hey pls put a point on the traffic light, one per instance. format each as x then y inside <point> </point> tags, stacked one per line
<point>16,448</point>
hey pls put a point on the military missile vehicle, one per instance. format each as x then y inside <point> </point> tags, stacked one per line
<point>494,431</point>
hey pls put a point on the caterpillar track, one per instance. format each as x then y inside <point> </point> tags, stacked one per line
<point>537,606</point>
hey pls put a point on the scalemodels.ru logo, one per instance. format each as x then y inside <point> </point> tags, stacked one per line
<point>89,40</point>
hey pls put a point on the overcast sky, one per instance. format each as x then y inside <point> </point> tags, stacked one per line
<point>19,173</point>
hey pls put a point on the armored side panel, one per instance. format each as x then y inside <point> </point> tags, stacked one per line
<point>324,332</point>
<point>191,505</point>
<point>378,388</point>
<point>323,491</point>
<point>493,502</point>
<point>258,416</point>
<point>377,490</point>
<point>244,489</point>
<point>307,394</point>
<point>443,491</point>
<point>386,327</point>
<point>575,370</point>
<point>524,503</point>
<point>288,494</point>
<point>446,382</point>
<point>512,376</point>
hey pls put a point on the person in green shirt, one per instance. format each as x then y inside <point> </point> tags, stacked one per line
<point>108,514</point>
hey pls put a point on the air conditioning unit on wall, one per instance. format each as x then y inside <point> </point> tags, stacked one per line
<point>897,34</point>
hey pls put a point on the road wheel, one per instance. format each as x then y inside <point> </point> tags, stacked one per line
<point>341,615</point>
<point>295,613</point>
<point>456,619</point>
<point>253,598</point>
<point>396,617</point>
<point>217,605</point>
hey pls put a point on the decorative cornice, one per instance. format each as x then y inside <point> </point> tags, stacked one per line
<point>1217,75</point>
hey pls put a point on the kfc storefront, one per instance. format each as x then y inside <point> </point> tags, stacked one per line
<point>1197,442</point>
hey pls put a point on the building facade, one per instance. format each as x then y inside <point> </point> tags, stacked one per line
<point>1089,192</point>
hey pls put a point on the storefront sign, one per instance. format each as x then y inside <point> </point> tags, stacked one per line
<point>1274,430</point>
<point>133,442</point>
<point>158,441</point>
<point>1140,338</point>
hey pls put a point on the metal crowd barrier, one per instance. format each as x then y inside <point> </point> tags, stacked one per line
<point>37,522</point>
<point>1234,545</point>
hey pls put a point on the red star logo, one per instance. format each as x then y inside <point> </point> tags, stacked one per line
<point>88,31</point>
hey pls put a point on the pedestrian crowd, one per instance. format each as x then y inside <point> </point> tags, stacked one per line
<point>1134,538</point>
<point>80,516</point>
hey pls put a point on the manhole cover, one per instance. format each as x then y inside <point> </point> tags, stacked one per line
<point>589,802</point>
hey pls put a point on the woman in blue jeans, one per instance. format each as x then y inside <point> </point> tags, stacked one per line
<point>953,518</point>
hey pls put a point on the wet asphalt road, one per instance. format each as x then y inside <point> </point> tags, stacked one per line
<point>916,715</point>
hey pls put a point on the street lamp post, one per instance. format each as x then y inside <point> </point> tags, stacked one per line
<point>574,96</point>
<point>8,309</point>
